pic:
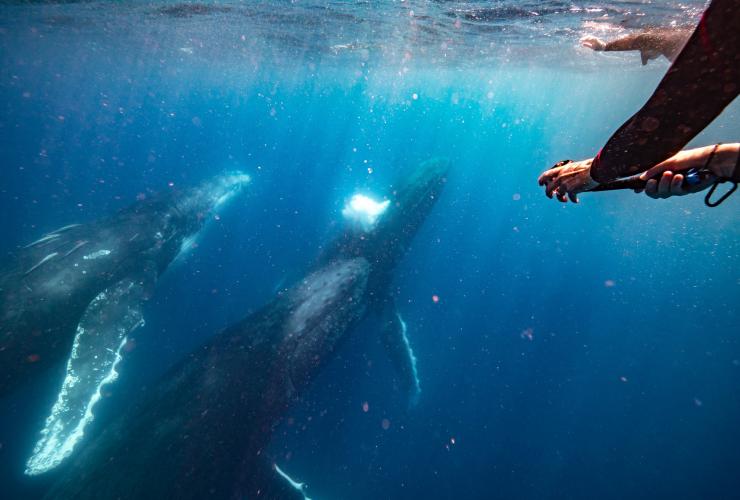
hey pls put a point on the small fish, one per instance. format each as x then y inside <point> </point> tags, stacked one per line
<point>41,262</point>
<point>63,228</point>
<point>43,239</point>
<point>79,245</point>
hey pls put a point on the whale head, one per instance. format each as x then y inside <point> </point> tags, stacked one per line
<point>411,201</point>
<point>174,219</point>
<point>194,204</point>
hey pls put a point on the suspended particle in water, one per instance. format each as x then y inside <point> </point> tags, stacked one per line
<point>365,406</point>
<point>527,333</point>
<point>385,424</point>
<point>610,283</point>
<point>435,299</point>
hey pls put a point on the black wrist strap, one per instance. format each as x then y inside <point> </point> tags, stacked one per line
<point>719,180</point>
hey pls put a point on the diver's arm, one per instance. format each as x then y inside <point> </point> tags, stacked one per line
<point>666,179</point>
<point>651,44</point>
<point>567,178</point>
<point>704,79</point>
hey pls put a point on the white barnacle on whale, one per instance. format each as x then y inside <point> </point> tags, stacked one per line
<point>96,255</point>
<point>364,211</point>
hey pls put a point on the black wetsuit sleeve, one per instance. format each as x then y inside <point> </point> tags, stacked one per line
<point>703,80</point>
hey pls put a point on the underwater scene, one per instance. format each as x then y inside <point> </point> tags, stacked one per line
<point>306,249</point>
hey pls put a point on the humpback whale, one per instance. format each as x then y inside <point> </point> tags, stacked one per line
<point>202,431</point>
<point>77,292</point>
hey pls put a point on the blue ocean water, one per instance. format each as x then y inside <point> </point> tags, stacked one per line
<point>573,352</point>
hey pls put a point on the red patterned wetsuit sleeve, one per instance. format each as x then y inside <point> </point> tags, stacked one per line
<point>703,80</point>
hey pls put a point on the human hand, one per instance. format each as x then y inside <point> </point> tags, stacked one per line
<point>669,184</point>
<point>720,160</point>
<point>567,178</point>
<point>593,43</point>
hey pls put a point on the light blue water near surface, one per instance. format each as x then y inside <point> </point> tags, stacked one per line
<point>628,386</point>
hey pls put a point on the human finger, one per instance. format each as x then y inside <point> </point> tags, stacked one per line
<point>570,186</point>
<point>677,185</point>
<point>547,175</point>
<point>664,184</point>
<point>565,191</point>
<point>651,188</point>
<point>573,197</point>
<point>551,187</point>
<point>656,170</point>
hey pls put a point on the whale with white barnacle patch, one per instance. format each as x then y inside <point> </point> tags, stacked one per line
<point>208,422</point>
<point>77,292</point>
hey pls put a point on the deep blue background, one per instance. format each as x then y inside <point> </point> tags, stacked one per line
<point>629,386</point>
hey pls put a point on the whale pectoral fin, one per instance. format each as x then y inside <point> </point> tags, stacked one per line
<point>264,479</point>
<point>96,351</point>
<point>399,350</point>
<point>296,490</point>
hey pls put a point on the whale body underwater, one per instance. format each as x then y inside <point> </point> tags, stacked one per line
<point>77,292</point>
<point>203,429</point>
